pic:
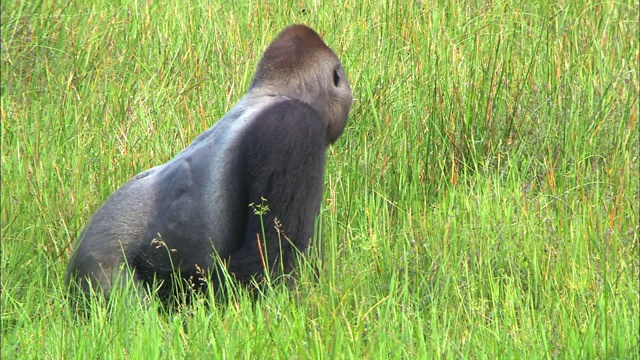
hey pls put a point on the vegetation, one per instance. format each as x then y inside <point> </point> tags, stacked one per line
<point>482,203</point>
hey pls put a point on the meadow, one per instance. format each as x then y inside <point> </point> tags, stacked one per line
<point>482,202</point>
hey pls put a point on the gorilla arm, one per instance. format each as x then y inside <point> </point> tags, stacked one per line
<point>283,162</point>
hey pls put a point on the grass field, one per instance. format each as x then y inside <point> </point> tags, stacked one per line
<point>482,202</point>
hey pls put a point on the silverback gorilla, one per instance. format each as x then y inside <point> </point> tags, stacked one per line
<point>180,217</point>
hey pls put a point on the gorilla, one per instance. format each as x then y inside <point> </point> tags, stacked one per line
<point>196,215</point>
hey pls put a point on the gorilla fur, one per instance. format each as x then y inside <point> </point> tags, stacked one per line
<point>180,217</point>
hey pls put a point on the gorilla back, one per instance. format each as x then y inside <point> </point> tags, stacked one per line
<point>178,217</point>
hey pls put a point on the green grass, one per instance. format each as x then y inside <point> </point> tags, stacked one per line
<point>482,202</point>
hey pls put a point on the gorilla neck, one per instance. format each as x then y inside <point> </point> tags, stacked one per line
<point>303,95</point>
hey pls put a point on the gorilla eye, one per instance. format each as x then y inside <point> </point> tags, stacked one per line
<point>336,77</point>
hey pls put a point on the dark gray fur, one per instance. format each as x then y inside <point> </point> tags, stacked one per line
<point>271,145</point>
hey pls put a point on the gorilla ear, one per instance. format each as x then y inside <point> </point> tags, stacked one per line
<point>336,77</point>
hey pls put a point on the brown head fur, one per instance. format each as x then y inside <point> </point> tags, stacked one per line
<point>299,65</point>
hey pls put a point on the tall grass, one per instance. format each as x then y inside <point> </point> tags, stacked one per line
<point>482,203</point>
